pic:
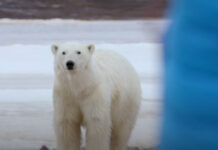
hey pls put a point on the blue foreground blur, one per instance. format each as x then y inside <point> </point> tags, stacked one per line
<point>191,77</point>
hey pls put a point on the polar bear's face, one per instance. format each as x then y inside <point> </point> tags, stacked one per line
<point>72,56</point>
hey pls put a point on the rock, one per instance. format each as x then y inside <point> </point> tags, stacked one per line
<point>44,148</point>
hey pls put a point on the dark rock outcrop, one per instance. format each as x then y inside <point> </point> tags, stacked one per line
<point>82,9</point>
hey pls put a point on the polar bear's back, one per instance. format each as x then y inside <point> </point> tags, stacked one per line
<point>119,71</point>
<point>113,63</point>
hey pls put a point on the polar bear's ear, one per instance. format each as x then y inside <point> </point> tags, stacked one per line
<point>91,48</point>
<point>54,48</point>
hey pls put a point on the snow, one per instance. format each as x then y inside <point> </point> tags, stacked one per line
<point>145,57</point>
<point>60,30</point>
<point>31,66</point>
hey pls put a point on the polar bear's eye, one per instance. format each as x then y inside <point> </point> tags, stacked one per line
<point>63,53</point>
<point>78,52</point>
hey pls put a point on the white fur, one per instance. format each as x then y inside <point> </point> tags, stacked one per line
<point>102,93</point>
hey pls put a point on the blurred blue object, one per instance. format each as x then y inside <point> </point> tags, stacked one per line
<point>191,77</point>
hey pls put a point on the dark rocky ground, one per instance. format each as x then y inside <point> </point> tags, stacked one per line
<point>82,9</point>
<point>130,148</point>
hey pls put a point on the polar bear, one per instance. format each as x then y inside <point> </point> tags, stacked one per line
<point>95,88</point>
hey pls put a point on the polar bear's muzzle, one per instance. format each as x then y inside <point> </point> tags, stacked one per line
<point>70,65</point>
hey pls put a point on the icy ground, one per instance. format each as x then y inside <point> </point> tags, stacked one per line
<point>26,121</point>
<point>26,74</point>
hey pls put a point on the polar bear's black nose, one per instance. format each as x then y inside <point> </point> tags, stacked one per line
<point>70,65</point>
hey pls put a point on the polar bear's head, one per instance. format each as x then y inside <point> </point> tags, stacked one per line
<point>72,56</point>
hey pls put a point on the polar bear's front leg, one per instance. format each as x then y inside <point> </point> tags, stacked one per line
<point>98,136</point>
<point>96,112</point>
<point>67,135</point>
<point>66,124</point>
